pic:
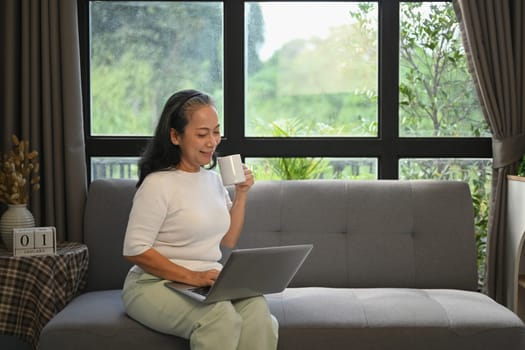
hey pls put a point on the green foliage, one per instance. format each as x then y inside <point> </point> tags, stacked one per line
<point>294,168</point>
<point>330,168</point>
<point>297,168</point>
<point>521,168</point>
<point>143,52</point>
<point>436,93</point>
<point>126,82</point>
<point>344,114</point>
<point>480,195</point>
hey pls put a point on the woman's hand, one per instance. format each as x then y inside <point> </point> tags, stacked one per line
<point>248,183</point>
<point>237,210</point>
<point>203,278</point>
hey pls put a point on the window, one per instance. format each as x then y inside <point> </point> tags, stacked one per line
<point>351,83</point>
<point>142,51</point>
<point>317,89</point>
<point>436,94</point>
<point>291,168</point>
<point>316,76</point>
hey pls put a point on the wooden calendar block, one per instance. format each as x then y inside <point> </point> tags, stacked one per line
<point>34,241</point>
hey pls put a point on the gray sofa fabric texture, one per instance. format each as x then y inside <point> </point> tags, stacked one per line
<point>393,267</point>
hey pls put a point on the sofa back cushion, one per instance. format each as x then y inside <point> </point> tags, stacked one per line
<point>387,233</point>
<point>378,233</point>
<point>105,221</point>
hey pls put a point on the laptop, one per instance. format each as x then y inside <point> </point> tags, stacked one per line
<point>250,272</point>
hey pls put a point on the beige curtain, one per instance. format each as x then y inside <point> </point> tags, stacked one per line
<point>493,35</point>
<point>41,102</point>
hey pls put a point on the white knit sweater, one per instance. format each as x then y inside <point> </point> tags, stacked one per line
<point>182,215</point>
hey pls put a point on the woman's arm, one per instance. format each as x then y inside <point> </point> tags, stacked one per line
<point>156,264</point>
<point>238,209</point>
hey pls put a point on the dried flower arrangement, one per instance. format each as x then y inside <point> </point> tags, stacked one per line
<point>18,173</point>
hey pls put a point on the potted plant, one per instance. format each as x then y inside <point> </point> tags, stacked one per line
<point>19,171</point>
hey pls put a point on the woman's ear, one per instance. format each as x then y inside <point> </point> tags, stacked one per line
<point>174,136</point>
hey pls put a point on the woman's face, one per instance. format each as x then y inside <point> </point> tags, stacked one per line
<point>200,138</point>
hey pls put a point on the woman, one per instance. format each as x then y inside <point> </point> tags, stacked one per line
<point>181,215</point>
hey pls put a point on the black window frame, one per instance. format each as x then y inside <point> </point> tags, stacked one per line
<point>388,147</point>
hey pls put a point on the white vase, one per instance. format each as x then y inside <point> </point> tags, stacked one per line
<point>16,216</point>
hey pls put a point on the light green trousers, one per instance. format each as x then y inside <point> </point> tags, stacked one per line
<point>244,324</point>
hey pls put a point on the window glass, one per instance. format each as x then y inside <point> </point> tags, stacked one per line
<point>114,168</point>
<point>437,96</point>
<point>313,168</point>
<point>313,63</point>
<point>476,172</point>
<point>142,52</point>
<point>263,168</point>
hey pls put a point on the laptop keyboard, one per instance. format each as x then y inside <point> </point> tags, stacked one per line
<point>201,290</point>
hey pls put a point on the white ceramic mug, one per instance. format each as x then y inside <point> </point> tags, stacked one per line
<point>232,171</point>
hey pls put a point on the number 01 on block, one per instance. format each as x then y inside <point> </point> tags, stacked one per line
<point>34,241</point>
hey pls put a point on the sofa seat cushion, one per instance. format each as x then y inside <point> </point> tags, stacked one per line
<point>97,320</point>
<point>390,318</point>
<point>314,318</point>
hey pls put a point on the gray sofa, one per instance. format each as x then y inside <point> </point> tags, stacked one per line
<point>393,267</point>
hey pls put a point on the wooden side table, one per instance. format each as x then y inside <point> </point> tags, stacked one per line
<point>33,289</point>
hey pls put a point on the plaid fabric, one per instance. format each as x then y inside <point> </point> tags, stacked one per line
<point>34,289</point>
